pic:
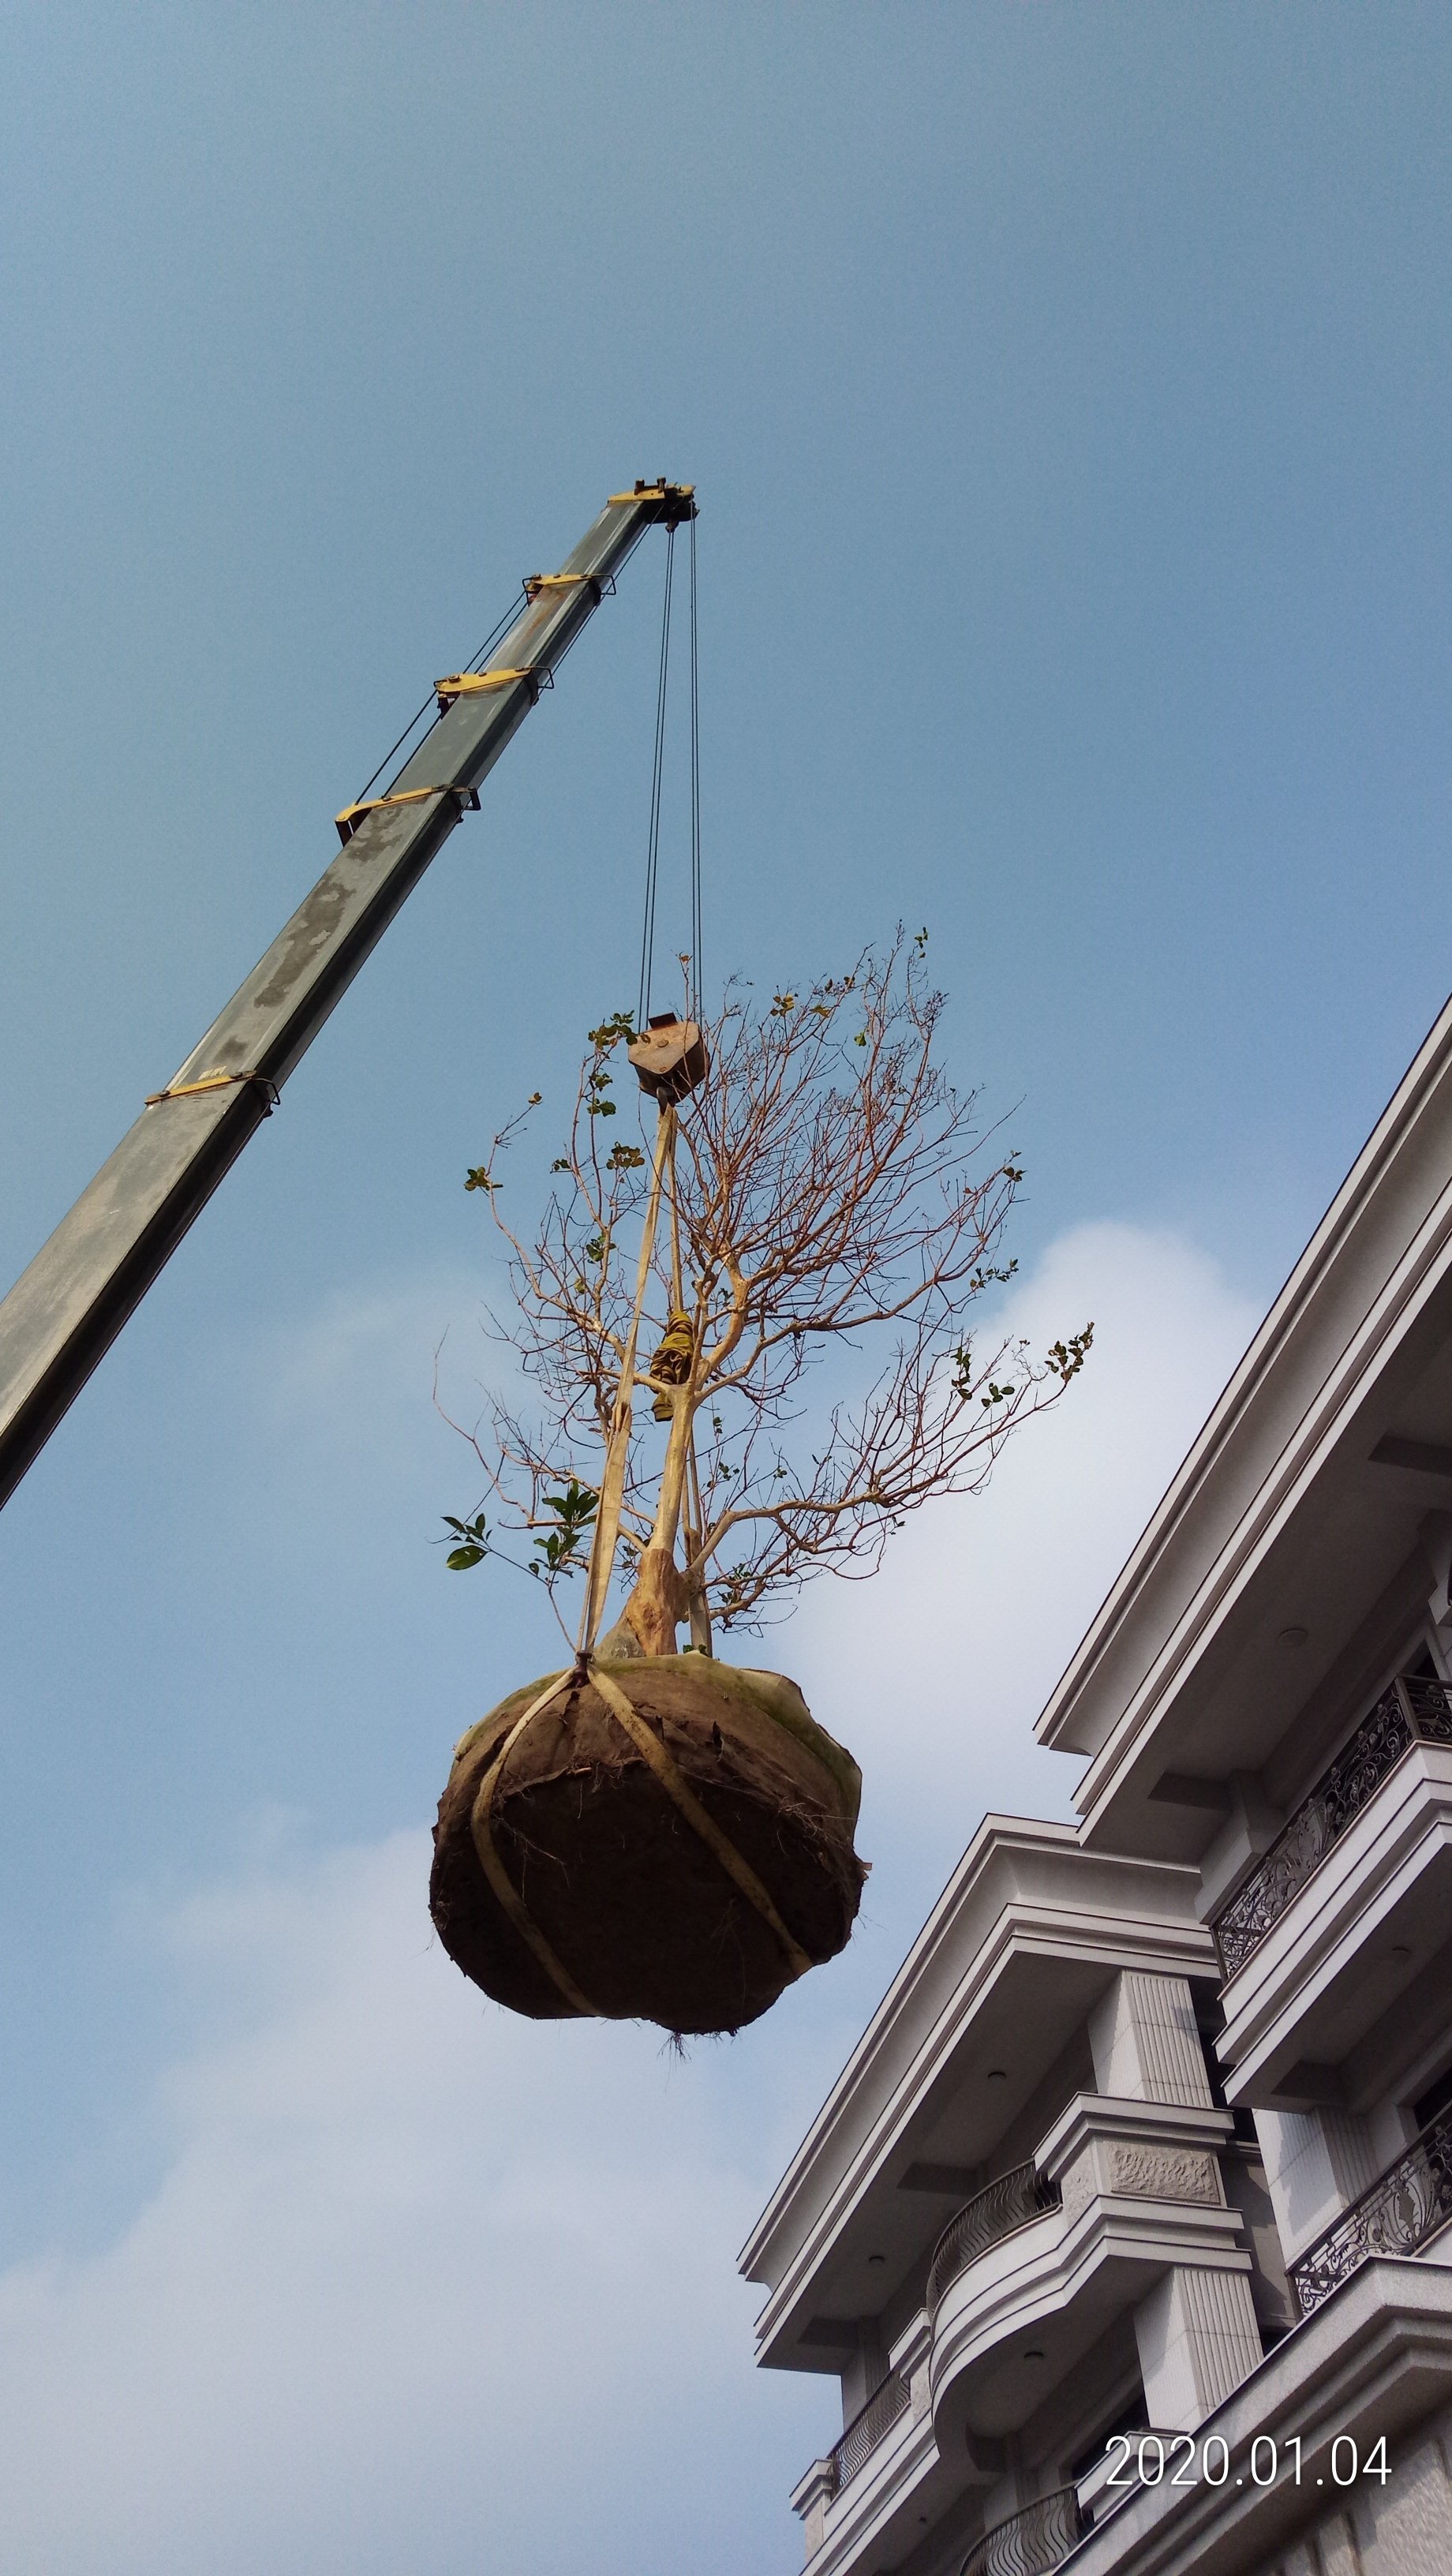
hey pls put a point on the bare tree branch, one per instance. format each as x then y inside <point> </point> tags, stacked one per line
<point>829,1184</point>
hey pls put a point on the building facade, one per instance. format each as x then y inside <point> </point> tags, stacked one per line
<point>1128,2226</point>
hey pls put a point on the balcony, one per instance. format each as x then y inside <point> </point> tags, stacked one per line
<point>1340,1936</point>
<point>860,2505</point>
<point>1023,2283</point>
<point>1030,2543</point>
<point>1023,2286</point>
<point>889,2399</point>
<point>1411,1712</point>
<point>1398,2215</point>
<point>1003,2206</point>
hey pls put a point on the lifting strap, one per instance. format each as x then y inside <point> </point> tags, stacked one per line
<point>482,1828</point>
<point>667,1770</point>
<point>617,1451</point>
<point>659,1759</point>
<point>650,1746</point>
<point>680,505</point>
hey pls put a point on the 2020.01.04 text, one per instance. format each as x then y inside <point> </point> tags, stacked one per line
<point>1189,2460</point>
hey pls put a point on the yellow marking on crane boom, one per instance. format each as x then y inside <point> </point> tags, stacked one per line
<point>655,492</point>
<point>351,816</point>
<point>474,684</point>
<point>216,1080</point>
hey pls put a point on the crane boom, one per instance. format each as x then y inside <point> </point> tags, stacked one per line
<point>67,1308</point>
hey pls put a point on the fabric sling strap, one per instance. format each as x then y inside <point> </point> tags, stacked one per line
<point>655,1754</point>
<point>617,1454</point>
<point>650,1746</point>
<point>482,1829</point>
<point>668,1771</point>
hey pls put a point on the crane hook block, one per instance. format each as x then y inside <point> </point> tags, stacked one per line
<point>670,1059</point>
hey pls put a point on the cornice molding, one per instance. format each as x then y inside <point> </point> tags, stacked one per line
<point>912,2040</point>
<point>950,1967</point>
<point>1383,1197</point>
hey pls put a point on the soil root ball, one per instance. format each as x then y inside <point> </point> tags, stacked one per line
<point>643,1916</point>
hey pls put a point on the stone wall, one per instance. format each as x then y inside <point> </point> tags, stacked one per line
<point>1401,2529</point>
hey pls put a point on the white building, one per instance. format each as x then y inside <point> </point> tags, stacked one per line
<point>1147,2155</point>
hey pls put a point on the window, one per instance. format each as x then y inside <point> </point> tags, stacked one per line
<point>1435,2099</point>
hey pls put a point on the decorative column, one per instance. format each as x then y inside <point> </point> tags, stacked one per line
<point>1196,2331</point>
<point>1197,2340</point>
<point>1145,2045</point>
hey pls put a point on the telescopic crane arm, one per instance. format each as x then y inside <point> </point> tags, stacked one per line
<point>65,1311</point>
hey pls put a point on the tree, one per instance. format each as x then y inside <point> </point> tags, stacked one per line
<point>824,1184</point>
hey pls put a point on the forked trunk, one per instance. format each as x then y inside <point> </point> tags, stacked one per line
<point>661,1598</point>
<point>658,1603</point>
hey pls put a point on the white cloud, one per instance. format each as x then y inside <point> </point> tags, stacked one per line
<point>424,2288</point>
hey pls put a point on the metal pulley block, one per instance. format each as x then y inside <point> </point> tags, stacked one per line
<point>670,1057</point>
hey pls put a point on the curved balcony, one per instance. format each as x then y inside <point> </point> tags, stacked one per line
<point>1030,2543</point>
<point>1121,2192</point>
<point>1004,2205</point>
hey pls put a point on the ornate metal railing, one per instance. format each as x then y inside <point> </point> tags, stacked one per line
<point>1029,2543</point>
<point>891,2398</point>
<point>1409,2203</point>
<point>1003,2205</point>
<point>1411,1712</point>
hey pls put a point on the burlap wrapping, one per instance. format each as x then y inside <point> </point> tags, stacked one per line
<point>625,1896</point>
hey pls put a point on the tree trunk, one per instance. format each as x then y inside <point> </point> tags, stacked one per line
<point>658,1602</point>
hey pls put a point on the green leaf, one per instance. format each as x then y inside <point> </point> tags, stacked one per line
<point>460,1558</point>
<point>612,1030</point>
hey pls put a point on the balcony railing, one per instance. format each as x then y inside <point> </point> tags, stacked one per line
<point>1409,2203</point>
<point>1029,2543</point>
<point>1411,1712</point>
<point>1003,2205</point>
<point>889,2400</point>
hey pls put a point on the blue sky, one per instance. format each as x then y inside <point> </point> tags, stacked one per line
<point>1066,390</point>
